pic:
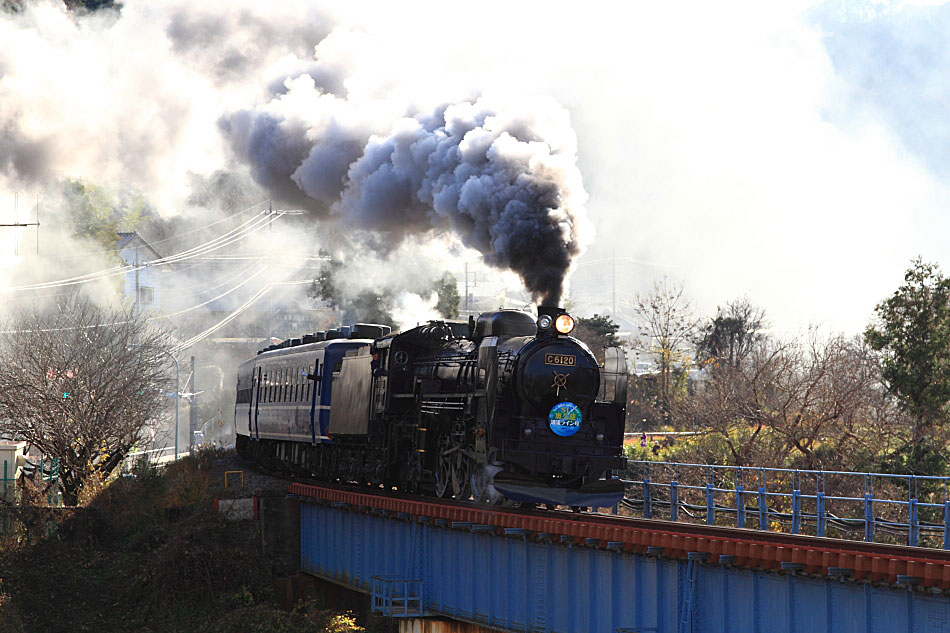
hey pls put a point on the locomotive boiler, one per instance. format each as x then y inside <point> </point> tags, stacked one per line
<point>503,407</point>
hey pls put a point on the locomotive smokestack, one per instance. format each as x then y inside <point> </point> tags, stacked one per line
<point>503,178</point>
<point>551,310</point>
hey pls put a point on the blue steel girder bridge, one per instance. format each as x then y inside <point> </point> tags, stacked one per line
<point>706,570</point>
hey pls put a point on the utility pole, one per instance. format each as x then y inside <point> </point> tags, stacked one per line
<point>614,286</point>
<point>136,276</point>
<point>193,408</point>
<point>17,224</point>
<point>466,290</point>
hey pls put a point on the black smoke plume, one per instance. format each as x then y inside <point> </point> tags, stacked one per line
<point>502,178</point>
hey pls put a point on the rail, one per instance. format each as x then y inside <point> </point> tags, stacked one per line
<point>873,507</point>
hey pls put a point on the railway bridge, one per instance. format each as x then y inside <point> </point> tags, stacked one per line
<point>721,564</point>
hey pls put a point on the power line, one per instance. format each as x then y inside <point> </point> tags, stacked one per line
<point>228,238</point>
<point>204,303</point>
<point>229,279</point>
<point>237,312</point>
<point>151,318</point>
<point>167,239</point>
<point>220,324</point>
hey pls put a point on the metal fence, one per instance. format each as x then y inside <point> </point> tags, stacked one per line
<point>18,499</point>
<point>874,507</point>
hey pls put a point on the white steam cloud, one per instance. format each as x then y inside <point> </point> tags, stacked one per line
<point>411,309</point>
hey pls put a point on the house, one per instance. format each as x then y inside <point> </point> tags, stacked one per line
<point>141,284</point>
<point>12,461</point>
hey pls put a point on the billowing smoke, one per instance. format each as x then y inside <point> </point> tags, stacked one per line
<point>501,177</point>
<point>151,96</point>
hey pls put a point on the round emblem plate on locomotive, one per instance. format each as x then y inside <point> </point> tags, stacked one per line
<point>565,419</point>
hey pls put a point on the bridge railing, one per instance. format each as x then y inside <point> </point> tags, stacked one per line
<point>874,507</point>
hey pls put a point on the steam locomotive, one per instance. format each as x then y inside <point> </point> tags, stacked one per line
<point>503,407</point>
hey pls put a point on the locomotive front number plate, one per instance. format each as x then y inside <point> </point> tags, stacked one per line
<point>563,360</point>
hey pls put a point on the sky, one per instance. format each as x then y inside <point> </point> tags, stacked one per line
<point>792,153</point>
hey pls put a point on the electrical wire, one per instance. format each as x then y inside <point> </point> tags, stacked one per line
<point>247,304</point>
<point>240,272</point>
<point>204,303</point>
<point>230,237</point>
<point>167,239</point>
<point>220,324</point>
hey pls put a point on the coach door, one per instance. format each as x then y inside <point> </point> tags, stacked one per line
<point>257,401</point>
<point>315,376</point>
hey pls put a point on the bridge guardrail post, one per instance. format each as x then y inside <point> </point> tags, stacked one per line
<point>674,500</point>
<point>796,511</point>
<point>710,505</point>
<point>740,507</point>
<point>913,531</point>
<point>820,511</point>
<point>868,518</point>
<point>763,509</point>
<point>647,506</point>
<point>946,524</point>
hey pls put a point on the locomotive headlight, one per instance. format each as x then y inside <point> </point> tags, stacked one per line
<point>564,323</point>
<point>545,321</point>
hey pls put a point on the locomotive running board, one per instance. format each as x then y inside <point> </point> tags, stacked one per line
<point>596,494</point>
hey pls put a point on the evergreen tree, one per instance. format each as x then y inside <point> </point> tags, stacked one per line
<point>449,298</point>
<point>912,333</point>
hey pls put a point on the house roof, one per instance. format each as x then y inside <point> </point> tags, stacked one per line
<point>131,240</point>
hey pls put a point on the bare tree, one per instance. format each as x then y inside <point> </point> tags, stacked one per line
<point>815,403</point>
<point>79,381</point>
<point>669,324</point>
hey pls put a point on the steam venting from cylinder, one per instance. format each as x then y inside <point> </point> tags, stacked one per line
<point>502,177</point>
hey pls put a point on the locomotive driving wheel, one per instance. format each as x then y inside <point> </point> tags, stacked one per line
<point>462,476</point>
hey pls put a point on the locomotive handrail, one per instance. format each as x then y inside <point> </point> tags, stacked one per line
<point>795,500</point>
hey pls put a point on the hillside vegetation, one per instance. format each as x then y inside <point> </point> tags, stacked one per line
<point>147,554</point>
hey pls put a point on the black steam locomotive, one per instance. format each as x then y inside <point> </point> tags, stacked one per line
<point>504,406</point>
